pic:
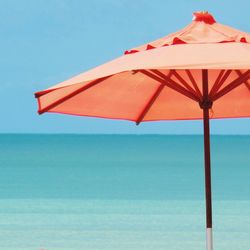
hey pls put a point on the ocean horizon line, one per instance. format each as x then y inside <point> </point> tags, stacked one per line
<point>121,134</point>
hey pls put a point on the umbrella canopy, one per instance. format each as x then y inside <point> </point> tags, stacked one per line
<point>155,81</point>
<point>200,72</point>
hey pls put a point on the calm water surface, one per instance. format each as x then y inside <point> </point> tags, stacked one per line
<point>96,192</point>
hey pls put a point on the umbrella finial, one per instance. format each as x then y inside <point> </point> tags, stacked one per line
<point>203,16</point>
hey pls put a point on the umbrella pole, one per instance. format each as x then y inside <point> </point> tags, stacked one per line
<point>206,105</point>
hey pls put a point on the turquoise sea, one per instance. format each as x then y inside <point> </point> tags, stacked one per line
<point>121,192</point>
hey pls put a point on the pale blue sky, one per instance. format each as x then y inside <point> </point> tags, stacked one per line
<point>45,42</point>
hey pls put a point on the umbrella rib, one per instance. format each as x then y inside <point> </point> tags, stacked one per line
<point>183,82</point>
<point>246,82</point>
<point>219,81</point>
<point>234,84</point>
<point>72,94</point>
<point>150,102</point>
<point>176,86</point>
<point>44,92</point>
<point>192,80</point>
